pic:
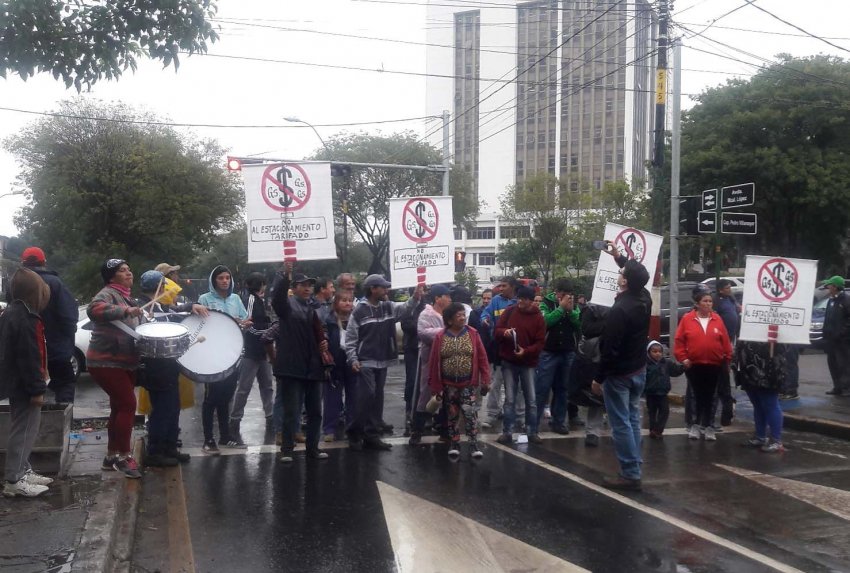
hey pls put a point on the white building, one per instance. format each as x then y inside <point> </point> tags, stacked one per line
<point>558,86</point>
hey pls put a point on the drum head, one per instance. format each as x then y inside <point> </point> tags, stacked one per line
<point>161,329</point>
<point>216,357</point>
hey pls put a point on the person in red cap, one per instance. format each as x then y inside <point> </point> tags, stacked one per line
<point>60,325</point>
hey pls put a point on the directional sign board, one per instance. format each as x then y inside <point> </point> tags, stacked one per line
<point>778,291</point>
<point>709,199</point>
<point>738,223</point>
<point>707,222</point>
<point>421,241</point>
<point>633,243</point>
<point>289,212</point>
<point>741,195</point>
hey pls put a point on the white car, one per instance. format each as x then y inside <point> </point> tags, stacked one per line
<point>737,284</point>
<point>81,342</point>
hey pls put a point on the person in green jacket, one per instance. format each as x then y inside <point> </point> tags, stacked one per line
<point>563,327</point>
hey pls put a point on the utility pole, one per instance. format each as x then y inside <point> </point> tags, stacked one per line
<point>446,116</point>
<point>661,82</point>
<point>674,190</point>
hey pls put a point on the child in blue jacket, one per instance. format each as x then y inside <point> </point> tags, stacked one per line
<point>658,373</point>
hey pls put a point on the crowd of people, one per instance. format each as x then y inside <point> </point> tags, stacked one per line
<point>321,359</point>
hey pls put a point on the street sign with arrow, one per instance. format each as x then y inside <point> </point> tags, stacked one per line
<point>707,222</point>
<point>709,199</point>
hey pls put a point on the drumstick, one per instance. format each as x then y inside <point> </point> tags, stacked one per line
<point>156,296</point>
<point>150,303</point>
<point>201,338</point>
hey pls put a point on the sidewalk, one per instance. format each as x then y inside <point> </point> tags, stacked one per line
<point>814,411</point>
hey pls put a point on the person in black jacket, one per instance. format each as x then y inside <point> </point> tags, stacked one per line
<point>339,394</point>
<point>298,365</point>
<point>622,367</point>
<point>836,335</point>
<point>255,361</point>
<point>60,323</point>
<point>23,379</point>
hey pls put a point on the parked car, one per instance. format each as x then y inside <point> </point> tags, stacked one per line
<point>81,342</point>
<point>816,330</point>
<point>737,285</point>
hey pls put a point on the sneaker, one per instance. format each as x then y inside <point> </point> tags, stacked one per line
<point>505,438</point>
<point>754,442</point>
<point>790,396</point>
<point>178,455</point>
<point>486,425</point>
<point>535,439</point>
<point>210,448</point>
<point>563,430</point>
<point>454,451</point>
<point>773,448</point>
<point>233,444</point>
<point>591,441</point>
<point>108,464</point>
<point>415,439</point>
<point>23,488</point>
<point>128,466</point>
<point>693,432</point>
<point>474,452</point>
<point>160,461</point>
<point>37,479</point>
<point>286,457</point>
<point>376,444</point>
<point>709,434</point>
<point>317,454</point>
<point>619,482</point>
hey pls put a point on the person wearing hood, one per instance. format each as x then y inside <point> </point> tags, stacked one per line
<point>658,372</point>
<point>217,396</point>
<point>622,367</point>
<point>112,360</point>
<point>60,323</point>
<point>521,334</point>
<point>23,379</point>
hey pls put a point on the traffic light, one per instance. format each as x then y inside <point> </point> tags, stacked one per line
<point>340,170</point>
<point>689,207</point>
<point>233,164</point>
<point>460,261</point>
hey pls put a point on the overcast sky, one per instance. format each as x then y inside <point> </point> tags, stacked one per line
<point>231,90</point>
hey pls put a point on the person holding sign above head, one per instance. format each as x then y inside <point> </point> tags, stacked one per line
<point>704,349</point>
<point>836,335</point>
<point>621,374</point>
<point>760,370</point>
<point>370,348</point>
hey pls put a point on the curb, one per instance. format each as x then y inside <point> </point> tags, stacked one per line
<point>106,543</point>
<point>831,428</point>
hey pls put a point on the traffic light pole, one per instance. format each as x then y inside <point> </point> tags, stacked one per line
<point>675,176</point>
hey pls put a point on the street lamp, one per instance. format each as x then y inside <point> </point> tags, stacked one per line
<point>292,119</point>
<point>12,193</point>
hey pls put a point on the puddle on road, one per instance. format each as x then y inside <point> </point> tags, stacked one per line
<point>72,492</point>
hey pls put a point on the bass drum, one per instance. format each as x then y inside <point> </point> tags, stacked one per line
<point>218,356</point>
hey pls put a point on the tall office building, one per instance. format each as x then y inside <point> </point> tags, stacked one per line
<point>557,86</point>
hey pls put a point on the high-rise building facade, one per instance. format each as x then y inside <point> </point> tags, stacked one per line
<point>557,86</point>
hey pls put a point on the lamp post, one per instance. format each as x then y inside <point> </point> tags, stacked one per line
<point>12,193</point>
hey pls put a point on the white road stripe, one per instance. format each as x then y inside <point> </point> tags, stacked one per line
<point>829,499</point>
<point>833,454</point>
<point>674,521</point>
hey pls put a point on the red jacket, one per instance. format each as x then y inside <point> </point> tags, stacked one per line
<point>711,346</point>
<point>530,334</point>
<point>480,365</point>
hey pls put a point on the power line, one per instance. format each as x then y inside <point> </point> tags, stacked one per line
<point>488,5</point>
<point>715,20</point>
<point>766,32</point>
<point>796,27</point>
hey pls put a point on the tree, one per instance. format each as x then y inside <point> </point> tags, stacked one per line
<point>369,189</point>
<point>83,42</point>
<point>112,188</point>
<point>788,130</point>
<point>553,212</point>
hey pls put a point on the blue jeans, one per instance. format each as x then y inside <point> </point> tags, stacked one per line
<point>622,402</point>
<point>553,374</point>
<point>514,375</point>
<point>766,412</point>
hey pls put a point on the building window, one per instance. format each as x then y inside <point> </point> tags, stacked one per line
<point>481,233</point>
<point>486,259</point>
<point>514,232</point>
<point>458,234</point>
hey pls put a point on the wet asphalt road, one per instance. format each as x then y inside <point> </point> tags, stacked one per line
<point>705,507</point>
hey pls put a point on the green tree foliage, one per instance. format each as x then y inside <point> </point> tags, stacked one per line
<point>368,189</point>
<point>468,279</point>
<point>788,130</point>
<point>82,42</point>
<point>115,188</point>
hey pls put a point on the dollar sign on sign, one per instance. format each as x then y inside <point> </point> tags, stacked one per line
<point>778,288</point>
<point>286,199</point>
<point>420,213</point>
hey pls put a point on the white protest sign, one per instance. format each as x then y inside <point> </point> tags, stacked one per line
<point>290,213</point>
<point>778,291</point>
<point>421,241</point>
<point>632,243</point>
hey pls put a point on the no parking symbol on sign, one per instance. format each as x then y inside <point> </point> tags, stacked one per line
<point>421,240</point>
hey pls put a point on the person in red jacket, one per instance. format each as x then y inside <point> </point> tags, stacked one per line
<point>521,332</point>
<point>457,366</point>
<point>702,346</point>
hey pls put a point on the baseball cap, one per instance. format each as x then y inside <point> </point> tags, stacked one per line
<point>299,278</point>
<point>835,281</point>
<point>378,281</point>
<point>438,290</point>
<point>150,280</point>
<point>33,255</point>
<point>165,268</point>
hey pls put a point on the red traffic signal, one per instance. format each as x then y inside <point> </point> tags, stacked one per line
<point>234,164</point>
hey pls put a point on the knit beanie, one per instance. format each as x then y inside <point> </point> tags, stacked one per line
<point>109,268</point>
